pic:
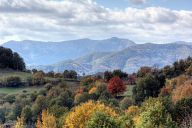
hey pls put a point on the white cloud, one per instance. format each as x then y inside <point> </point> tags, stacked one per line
<point>72,19</point>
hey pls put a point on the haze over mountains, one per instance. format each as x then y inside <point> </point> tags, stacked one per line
<point>91,56</point>
<point>44,53</point>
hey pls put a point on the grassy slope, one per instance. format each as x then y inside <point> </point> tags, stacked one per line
<point>23,75</point>
<point>8,73</point>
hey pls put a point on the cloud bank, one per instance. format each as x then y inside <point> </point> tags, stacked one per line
<point>51,20</point>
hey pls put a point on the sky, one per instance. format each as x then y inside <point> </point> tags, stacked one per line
<point>155,21</point>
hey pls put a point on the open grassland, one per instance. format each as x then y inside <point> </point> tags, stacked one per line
<point>19,90</point>
<point>7,73</point>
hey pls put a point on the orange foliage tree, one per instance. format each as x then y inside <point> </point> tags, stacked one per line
<point>183,91</point>
<point>116,86</point>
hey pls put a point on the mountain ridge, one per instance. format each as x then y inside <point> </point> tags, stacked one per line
<point>128,59</point>
<point>44,53</point>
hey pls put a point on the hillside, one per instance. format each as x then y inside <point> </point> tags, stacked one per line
<point>44,53</point>
<point>129,59</point>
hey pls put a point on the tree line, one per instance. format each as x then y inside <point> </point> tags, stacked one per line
<point>10,59</point>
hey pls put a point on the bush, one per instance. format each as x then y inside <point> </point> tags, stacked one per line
<point>48,86</point>
<point>38,78</point>
<point>80,98</point>
<point>182,109</point>
<point>9,98</point>
<point>125,103</point>
<point>13,81</point>
<point>27,114</point>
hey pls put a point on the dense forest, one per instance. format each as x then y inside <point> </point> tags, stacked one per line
<point>149,98</point>
<point>10,59</point>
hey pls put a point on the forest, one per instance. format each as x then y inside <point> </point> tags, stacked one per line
<point>149,98</point>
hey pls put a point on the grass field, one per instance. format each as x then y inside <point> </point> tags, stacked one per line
<point>19,90</point>
<point>7,73</point>
<point>128,92</point>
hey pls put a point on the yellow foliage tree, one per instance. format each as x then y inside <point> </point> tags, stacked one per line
<point>48,120</point>
<point>82,113</point>
<point>19,123</point>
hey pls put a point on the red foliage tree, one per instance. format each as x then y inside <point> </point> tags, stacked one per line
<point>116,86</point>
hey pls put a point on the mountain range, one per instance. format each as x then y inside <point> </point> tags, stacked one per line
<point>45,53</point>
<point>91,56</point>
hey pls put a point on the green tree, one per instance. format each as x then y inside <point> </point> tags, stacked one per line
<point>101,120</point>
<point>146,87</point>
<point>154,115</point>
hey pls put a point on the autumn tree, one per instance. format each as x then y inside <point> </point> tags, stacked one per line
<point>38,78</point>
<point>82,113</point>
<point>116,86</point>
<point>47,120</point>
<point>182,91</point>
<point>19,123</point>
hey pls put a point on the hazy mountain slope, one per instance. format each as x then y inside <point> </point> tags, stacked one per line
<point>129,59</point>
<point>44,53</point>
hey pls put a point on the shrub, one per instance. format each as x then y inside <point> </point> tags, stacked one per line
<point>38,78</point>
<point>182,109</point>
<point>128,120</point>
<point>186,122</point>
<point>13,81</point>
<point>9,98</point>
<point>26,114</point>
<point>48,86</point>
<point>2,115</point>
<point>80,98</point>
<point>88,81</point>
<point>125,103</point>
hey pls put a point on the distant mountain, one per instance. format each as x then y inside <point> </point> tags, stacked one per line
<point>45,53</point>
<point>129,59</point>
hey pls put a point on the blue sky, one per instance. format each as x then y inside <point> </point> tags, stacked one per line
<point>172,4</point>
<point>156,21</point>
